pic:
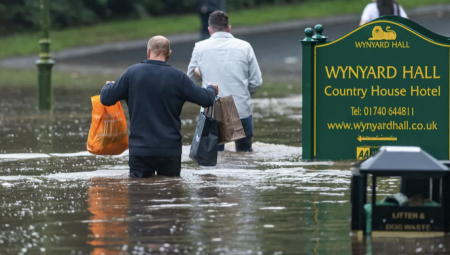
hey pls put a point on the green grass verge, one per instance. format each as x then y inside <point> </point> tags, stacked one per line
<point>126,30</point>
<point>19,78</point>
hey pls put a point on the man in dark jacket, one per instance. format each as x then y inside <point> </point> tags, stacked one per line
<point>155,93</point>
<point>205,8</point>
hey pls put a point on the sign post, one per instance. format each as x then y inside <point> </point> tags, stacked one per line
<point>385,83</point>
<point>308,94</point>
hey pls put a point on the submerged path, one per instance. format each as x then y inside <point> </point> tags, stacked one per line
<point>55,198</point>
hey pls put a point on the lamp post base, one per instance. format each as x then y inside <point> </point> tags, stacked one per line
<point>44,83</point>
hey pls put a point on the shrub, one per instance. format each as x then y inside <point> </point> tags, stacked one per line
<point>24,15</point>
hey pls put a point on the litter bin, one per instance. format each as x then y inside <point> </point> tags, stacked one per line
<point>421,208</point>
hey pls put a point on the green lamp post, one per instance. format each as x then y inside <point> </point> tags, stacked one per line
<point>44,63</point>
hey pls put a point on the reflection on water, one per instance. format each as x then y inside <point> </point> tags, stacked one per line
<point>108,208</point>
<point>58,199</point>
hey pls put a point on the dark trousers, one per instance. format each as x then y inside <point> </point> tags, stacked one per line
<point>204,18</point>
<point>145,167</point>
<point>244,144</point>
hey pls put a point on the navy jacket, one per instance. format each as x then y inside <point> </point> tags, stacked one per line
<point>155,94</point>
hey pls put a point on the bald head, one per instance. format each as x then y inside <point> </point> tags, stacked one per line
<point>158,48</point>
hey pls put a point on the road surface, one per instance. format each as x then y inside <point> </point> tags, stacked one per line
<point>278,52</point>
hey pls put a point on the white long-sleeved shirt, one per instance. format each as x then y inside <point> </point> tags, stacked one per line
<point>371,12</point>
<point>231,63</point>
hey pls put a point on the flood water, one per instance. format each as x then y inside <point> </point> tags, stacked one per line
<point>56,198</point>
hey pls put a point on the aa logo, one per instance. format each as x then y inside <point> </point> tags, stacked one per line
<point>362,152</point>
<point>378,34</point>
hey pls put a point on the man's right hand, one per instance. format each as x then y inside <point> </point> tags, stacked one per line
<point>216,87</point>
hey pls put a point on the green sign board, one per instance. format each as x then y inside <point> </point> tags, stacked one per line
<point>385,83</point>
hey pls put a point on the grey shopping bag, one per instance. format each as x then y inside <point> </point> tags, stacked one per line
<point>204,144</point>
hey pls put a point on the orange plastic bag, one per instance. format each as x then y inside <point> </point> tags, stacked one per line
<point>108,133</point>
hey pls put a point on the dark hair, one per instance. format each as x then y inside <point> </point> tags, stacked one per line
<point>386,7</point>
<point>218,21</point>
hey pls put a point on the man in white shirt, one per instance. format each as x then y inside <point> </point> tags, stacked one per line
<point>381,8</point>
<point>230,63</point>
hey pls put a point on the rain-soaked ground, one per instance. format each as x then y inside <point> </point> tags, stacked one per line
<point>56,198</point>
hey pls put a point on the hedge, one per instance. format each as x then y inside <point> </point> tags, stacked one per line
<point>18,16</point>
